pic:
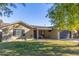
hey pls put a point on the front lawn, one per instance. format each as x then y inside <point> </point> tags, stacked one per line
<point>39,48</point>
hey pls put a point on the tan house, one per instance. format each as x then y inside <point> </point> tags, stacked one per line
<point>21,30</point>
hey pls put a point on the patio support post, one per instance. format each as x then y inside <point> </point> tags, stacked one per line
<point>72,35</point>
<point>32,34</point>
<point>58,35</point>
<point>68,36</point>
<point>37,34</point>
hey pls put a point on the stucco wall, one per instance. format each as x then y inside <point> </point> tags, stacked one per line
<point>51,34</point>
<point>28,31</point>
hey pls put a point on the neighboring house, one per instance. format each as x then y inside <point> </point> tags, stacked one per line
<point>20,30</point>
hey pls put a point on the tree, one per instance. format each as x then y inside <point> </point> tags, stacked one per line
<point>65,16</point>
<point>5,9</point>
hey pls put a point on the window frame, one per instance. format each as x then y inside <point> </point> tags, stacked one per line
<point>20,31</point>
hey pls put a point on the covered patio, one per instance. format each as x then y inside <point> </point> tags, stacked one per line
<point>41,33</point>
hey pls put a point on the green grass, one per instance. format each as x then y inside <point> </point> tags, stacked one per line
<point>39,48</point>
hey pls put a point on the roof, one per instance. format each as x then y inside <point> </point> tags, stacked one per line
<point>25,24</point>
<point>3,25</point>
<point>41,27</point>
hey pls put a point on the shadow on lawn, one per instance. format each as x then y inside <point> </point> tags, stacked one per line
<point>35,49</point>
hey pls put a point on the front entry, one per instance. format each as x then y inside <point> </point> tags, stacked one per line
<point>35,34</point>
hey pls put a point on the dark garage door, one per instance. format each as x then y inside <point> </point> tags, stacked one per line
<point>64,34</point>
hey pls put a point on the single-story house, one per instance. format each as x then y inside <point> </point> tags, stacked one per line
<point>21,30</point>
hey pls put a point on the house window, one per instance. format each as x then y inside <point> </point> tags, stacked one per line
<point>18,32</point>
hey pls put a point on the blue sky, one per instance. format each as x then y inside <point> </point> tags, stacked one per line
<point>33,14</point>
